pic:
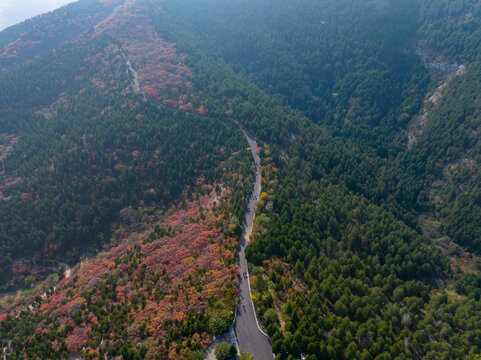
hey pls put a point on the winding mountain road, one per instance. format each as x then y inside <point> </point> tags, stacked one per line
<point>249,335</point>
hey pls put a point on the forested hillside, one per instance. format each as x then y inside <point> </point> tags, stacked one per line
<point>449,149</point>
<point>76,167</point>
<point>343,284</point>
<point>367,114</point>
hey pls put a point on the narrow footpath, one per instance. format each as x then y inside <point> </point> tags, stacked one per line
<point>249,335</point>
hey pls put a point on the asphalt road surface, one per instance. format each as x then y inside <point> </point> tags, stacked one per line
<point>249,335</point>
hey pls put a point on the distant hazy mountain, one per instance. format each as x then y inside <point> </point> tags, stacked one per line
<point>15,11</point>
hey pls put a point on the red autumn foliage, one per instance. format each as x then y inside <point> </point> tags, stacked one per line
<point>77,339</point>
<point>161,70</point>
<point>189,262</point>
<point>26,196</point>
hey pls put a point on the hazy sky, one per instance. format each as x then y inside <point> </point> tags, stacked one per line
<point>14,11</point>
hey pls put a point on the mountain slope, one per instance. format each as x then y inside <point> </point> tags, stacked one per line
<point>102,152</point>
<point>88,146</point>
